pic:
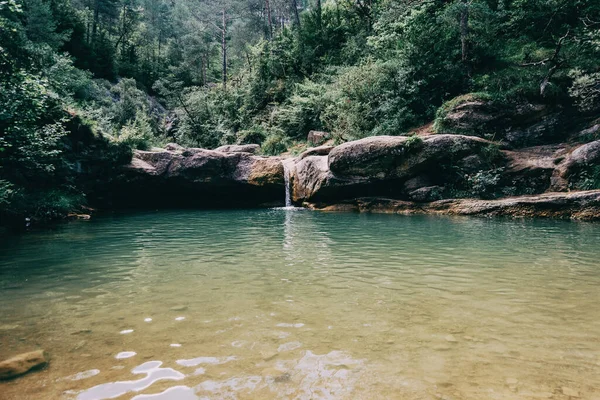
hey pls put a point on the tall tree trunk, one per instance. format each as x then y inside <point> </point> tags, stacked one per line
<point>270,19</point>
<point>224,48</point>
<point>464,36</point>
<point>319,15</point>
<point>296,13</point>
<point>464,31</point>
<point>95,21</point>
<point>204,66</point>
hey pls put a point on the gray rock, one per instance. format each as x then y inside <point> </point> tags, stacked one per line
<point>200,177</point>
<point>315,138</point>
<point>583,206</point>
<point>582,159</point>
<point>380,165</point>
<point>22,363</point>
<point>239,148</point>
<point>174,147</point>
<point>316,151</point>
<point>426,194</point>
<point>517,125</point>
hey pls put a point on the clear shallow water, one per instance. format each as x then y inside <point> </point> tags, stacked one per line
<point>264,304</point>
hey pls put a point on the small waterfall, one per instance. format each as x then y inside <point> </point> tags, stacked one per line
<point>288,189</point>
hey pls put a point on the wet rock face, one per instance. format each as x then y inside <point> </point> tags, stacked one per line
<point>22,363</point>
<point>199,177</point>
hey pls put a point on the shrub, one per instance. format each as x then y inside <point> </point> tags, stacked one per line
<point>484,184</point>
<point>254,135</point>
<point>137,133</point>
<point>274,144</point>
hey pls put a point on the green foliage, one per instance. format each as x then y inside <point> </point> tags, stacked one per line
<point>413,142</point>
<point>484,184</point>
<point>588,178</point>
<point>254,135</point>
<point>585,90</point>
<point>274,144</point>
<point>137,133</point>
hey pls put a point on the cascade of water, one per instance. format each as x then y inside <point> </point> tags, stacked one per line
<point>286,178</point>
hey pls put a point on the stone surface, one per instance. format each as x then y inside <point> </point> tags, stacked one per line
<point>583,159</point>
<point>315,138</point>
<point>199,177</point>
<point>380,165</point>
<point>570,392</point>
<point>415,172</point>
<point>517,125</point>
<point>316,151</point>
<point>239,148</point>
<point>22,363</point>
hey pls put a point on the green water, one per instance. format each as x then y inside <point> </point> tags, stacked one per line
<point>269,304</point>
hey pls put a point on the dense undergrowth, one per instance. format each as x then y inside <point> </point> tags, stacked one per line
<point>138,73</point>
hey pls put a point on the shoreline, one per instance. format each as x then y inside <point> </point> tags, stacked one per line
<point>577,206</point>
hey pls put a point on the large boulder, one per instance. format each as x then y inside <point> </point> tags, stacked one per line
<point>22,363</point>
<point>200,177</point>
<point>581,168</point>
<point>517,125</point>
<point>386,166</point>
<point>530,170</point>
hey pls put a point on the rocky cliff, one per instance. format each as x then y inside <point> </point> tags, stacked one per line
<point>193,177</point>
<point>430,172</point>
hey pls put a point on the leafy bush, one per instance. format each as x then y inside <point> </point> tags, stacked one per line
<point>138,133</point>
<point>588,178</point>
<point>484,184</point>
<point>274,144</point>
<point>254,135</point>
<point>413,142</point>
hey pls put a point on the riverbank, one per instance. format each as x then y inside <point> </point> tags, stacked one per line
<point>580,206</point>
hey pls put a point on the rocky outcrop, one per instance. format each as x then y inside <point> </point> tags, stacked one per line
<point>393,166</point>
<point>516,125</point>
<point>199,177</point>
<point>417,172</point>
<point>22,363</point>
<point>577,206</point>
<point>581,164</point>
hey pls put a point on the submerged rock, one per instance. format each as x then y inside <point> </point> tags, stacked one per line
<point>22,363</point>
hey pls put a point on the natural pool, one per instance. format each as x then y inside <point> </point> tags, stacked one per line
<point>265,304</point>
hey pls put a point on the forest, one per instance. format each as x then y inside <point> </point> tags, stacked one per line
<point>132,74</point>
